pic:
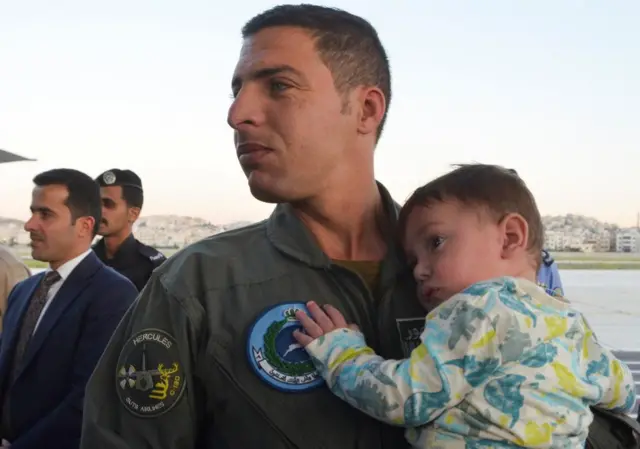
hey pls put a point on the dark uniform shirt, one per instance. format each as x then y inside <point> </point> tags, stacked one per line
<point>133,259</point>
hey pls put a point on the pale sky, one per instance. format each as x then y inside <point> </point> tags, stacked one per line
<point>549,88</point>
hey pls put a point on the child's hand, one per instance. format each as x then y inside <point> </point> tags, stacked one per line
<point>320,323</point>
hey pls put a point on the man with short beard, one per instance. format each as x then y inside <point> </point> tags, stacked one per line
<point>57,322</point>
<point>122,199</point>
<point>206,357</point>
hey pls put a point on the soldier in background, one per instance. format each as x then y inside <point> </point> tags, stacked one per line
<point>12,271</point>
<point>122,199</point>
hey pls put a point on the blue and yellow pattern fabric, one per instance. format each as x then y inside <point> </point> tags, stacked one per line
<point>500,365</point>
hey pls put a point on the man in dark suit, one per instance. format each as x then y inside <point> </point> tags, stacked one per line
<point>58,322</point>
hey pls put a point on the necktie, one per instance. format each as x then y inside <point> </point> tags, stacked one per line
<point>30,319</point>
<point>38,300</point>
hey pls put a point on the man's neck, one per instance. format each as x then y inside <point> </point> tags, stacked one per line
<point>54,265</point>
<point>348,224</point>
<point>113,242</point>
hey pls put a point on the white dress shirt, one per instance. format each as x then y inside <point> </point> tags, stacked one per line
<point>64,271</point>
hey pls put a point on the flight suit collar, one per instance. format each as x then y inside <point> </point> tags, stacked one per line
<point>289,235</point>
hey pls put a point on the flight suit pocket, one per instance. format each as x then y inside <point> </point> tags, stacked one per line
<point>259,414</point>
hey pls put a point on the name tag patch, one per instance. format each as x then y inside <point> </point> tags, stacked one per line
<point>409,330</point>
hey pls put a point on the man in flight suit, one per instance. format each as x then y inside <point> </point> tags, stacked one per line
<point>122,199</point>
<point>206,357</point>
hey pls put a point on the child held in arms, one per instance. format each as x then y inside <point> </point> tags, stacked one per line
<point>501,364</point>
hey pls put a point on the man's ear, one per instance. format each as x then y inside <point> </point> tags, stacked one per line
<point>132,214</point>
<point>373,106</point>
<point>86,225</point>
<point>515,234</point>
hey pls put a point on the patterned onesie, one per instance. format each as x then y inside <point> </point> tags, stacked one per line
<point>500,365</point>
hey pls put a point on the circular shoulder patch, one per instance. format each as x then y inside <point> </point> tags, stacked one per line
<point>149,379</point>
<point>275,356</point>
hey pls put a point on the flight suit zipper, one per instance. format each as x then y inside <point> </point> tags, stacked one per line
<point>368,304</point>
<point>371,311</point>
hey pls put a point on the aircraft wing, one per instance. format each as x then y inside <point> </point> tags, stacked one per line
<point>6,156</point>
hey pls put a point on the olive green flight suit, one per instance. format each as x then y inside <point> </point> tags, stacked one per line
<point>176,374</point>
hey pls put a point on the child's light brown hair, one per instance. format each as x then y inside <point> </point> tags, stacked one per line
<point>497,189</point>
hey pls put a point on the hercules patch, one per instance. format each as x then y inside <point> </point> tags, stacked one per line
<point>150,380</point>
<point>409,330</point>
<point>275,355</point>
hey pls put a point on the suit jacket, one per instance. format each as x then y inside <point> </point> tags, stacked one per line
<point>48,392</point>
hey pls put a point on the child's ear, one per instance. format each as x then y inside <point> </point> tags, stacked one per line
<point>515,234</point>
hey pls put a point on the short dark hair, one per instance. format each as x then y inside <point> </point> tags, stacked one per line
<point>133,196</point>
<point>84,194</point>
<point>498,189</point>
<point>347,44</point>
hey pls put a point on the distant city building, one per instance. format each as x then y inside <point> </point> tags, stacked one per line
<point>578,233</point>
<point>602,242</point>
<point>562,233</point>
<point>628,241</point>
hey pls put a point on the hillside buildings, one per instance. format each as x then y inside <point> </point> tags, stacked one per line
<point>562,233</point>
<point>628,241</point>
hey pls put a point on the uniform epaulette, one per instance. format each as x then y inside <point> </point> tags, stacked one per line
<point>546,258</point>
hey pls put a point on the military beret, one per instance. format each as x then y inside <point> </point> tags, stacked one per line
<point>117,177</point>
